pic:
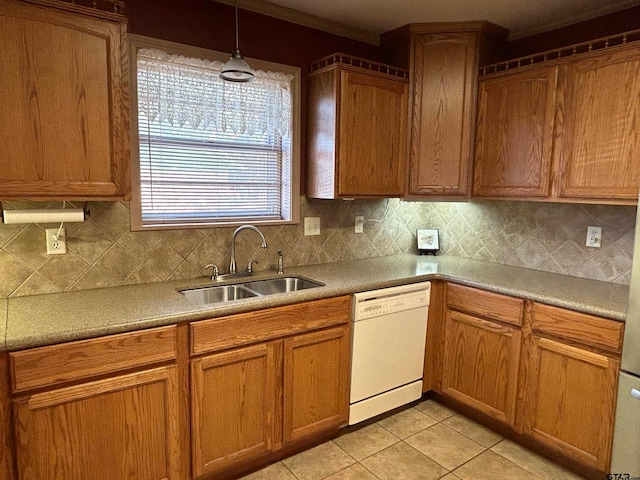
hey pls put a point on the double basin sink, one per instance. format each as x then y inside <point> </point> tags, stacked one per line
<point>255,288</point>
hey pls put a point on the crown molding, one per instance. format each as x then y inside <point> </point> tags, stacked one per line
<point>294,16</point>
<point>598,11</point>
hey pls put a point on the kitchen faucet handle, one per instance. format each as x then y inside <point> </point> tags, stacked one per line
<point>215,273</point>
<point>250,266</point>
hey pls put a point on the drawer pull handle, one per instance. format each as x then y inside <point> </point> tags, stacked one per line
<point>635,393</point>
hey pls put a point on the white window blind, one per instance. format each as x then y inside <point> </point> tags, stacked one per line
<point>211,151</point>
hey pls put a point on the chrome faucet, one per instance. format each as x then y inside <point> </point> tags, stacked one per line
<point>215,273</point>
<point>232,264</point>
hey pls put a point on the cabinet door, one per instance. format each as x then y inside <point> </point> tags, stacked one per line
<point>570,401</point>
<point>234,413</point>
<point>372,140</point>
<point>514,135</point>
<point>115,429</point>
<point>481,363</point>
<point>316,382</point>
<point>6,442</point>
<point>442,113</point>
<point>63,126</point>
<point>599,147</point>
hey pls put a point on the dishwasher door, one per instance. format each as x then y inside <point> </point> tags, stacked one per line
<point>388,348</point>
<point>388,352</point>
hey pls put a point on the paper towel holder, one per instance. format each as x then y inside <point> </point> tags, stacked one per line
<point>45,215</point>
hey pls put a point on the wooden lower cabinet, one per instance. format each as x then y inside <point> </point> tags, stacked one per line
<point>316,382</point>
<point>265,382</point>
<point>570,390</point>
<point>234,406</point>
<point>481,356</point>
<point>548,375</point>
<point>125,427</point>
<point>481,363</point>
<point>571,401</point>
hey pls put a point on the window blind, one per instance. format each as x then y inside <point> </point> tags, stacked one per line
<point>210,151</point>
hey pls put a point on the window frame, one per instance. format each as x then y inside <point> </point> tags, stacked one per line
<point>137,42</point>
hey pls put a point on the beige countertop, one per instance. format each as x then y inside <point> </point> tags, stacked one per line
<point>53,318</point>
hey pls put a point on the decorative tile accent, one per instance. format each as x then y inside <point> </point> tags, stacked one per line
<point>104,251</point>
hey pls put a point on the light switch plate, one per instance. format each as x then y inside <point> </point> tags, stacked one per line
<point>311,226</point>
<point>359,224</point>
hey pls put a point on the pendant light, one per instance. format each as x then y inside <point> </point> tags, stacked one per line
<point>236,69</point>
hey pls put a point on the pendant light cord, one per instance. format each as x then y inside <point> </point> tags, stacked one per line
<point>237,36</point>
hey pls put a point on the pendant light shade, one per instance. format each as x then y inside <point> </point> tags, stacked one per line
<point>236,69</point>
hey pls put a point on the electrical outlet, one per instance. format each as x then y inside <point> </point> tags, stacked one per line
<point>359,226</point>
<point>56,245</point>
<point>311,226</point>
<point>594,237</point>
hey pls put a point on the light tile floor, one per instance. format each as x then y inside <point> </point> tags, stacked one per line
<point>425,442</point>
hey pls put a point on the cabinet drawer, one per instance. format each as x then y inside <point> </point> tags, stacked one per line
<point>579,327</point>
<point>251,327</point>
<point>39,367</point>
<point>485,304</point>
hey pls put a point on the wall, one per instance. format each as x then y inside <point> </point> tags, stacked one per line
<point>209,24</point>
<point>103,251</point>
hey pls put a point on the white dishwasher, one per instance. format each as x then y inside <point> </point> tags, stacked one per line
<point>388,348</point>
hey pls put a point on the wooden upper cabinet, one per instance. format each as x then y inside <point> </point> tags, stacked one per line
<point>444,72</point>
<point>63,121</point>
<point>514,135</point>
<point>599,147</point>
<point>562,130</point>
<point>443,59</point>
<point>356,132</point>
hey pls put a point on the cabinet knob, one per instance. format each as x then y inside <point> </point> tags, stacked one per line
<point>635,393</point>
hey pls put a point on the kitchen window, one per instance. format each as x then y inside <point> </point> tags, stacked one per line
<point>209,152</point>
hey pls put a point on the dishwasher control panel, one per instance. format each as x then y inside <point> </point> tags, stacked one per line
<point>390,300</point>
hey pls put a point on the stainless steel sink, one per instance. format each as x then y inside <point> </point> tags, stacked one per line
<point>256,288</point>
<point>281,285</point>
<point>222,293</point>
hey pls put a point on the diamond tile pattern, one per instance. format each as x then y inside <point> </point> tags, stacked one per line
<point>447,446</point>
<point>103,251</point>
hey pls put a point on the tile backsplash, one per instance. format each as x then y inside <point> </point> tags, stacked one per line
<point>103,251</point>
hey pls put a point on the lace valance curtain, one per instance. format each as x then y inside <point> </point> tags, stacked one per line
<point>184,91</point>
